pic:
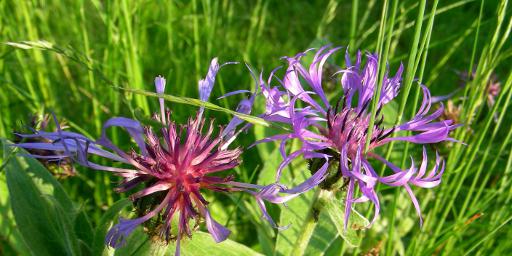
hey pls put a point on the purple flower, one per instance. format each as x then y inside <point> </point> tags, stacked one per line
<point>59,167</point>
<point>339,132</point>
<point>174,164</point>
<point>492,89</point>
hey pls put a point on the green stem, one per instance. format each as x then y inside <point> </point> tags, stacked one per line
<point>380,68</point>
<point>197,52</point>
<point>391,230</point>
<point>475,44</point>
<point>353,26</point>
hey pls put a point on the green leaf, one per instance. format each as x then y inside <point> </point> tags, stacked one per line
<point>51,191</point>
<point>48,185</point>
<point>108,217</point>
<point>324,236</point>
<point>84,232</point>
<point>43,180</point>
<point>335,209</point>
<point>267,176</point>
<point>40,44</point>
<point>201,244</point>
<point>199,103</point>
<point>316,228</point>
<point>42,210</point>
<point>138,243</point>
<point>11,240</point>
<point>294,215</point>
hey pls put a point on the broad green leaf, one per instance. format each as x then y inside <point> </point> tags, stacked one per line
<point>41,178</point>
<point>267,176</point>
<point>271,155</point>
<point>53,193</point>
<point>105,222</point>
<point>48,185</point>
<point>295,214</point>
<point>269,152</point>
<point>41,209</point>
<point>203,244</point>
<point>200,244</point>
<point>335,209</point>
<point>328,225</point>
<point>138,243</point>
<point>329,228</point>
<point>324,236</point>
<point>84,232</point>
<point>11,240</point>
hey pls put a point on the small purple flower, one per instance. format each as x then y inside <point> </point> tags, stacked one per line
<point>493,90</point>
<point>174,164</point>
<point>339,132</point>
<point>60,168</point>
<point>493,86</point>
<point>160,88</point>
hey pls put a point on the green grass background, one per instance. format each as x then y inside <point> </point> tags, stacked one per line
<point>97,45</point>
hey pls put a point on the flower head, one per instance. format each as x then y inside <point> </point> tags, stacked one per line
<point>339,132</point>
<point>452,111</point>
<point>492,89</point>
<point>59,167</point>
<point>174,165</point>
<point>179,164</point>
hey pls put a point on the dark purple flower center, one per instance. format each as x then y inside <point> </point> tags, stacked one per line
<point>348,129</point>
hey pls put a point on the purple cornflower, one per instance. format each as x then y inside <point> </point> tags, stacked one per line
<point>60,169</point>
<point>492,89</point>
<point>174,164</point>
<point>339,132</point>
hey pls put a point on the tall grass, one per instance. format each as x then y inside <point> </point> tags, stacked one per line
<point>101,45</point>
